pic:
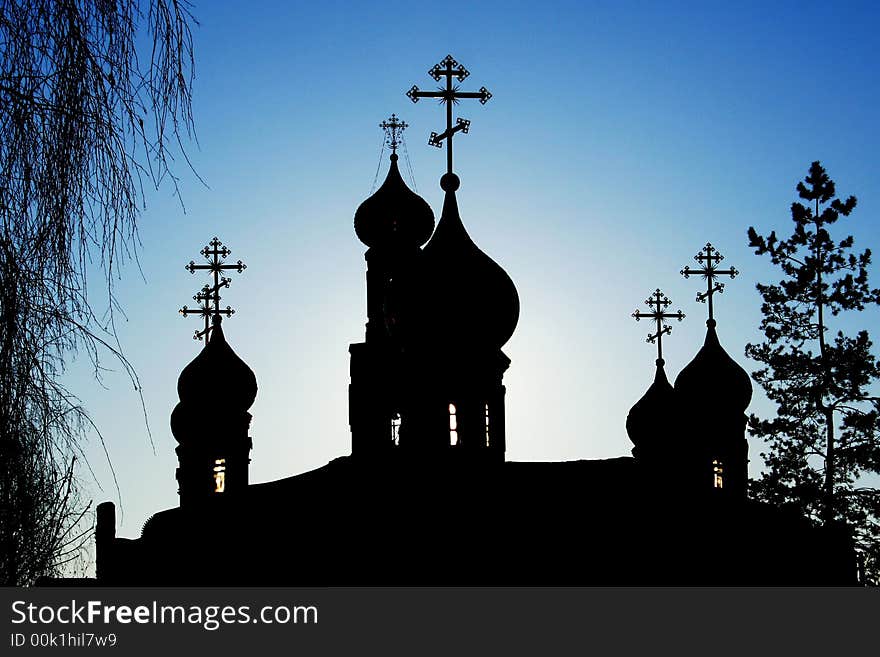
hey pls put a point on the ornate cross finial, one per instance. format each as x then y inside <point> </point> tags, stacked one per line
<point>209,297</point>
<point>449,68</point>
<point>205,298</point>
<point>658,303</point>
<point>393,128</point>
<point>709,258</point>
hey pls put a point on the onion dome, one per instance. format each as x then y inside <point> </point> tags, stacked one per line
<point>467,298</point>
<point>713,380</point>
<point>657,405</point>
<point>216,380</point>
<point>394,215</point>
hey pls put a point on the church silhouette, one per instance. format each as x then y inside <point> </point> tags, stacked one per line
<point>426,496</point>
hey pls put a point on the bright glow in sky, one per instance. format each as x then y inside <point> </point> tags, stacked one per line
<point>620,139</point>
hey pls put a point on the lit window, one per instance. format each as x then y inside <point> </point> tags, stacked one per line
<point>718,473</point>
<point>487,425</point>
<point>219,475</point>
<point>453,426</point>
<point>395,428</point>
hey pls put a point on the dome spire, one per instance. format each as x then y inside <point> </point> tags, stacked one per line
<point>658,303</point>
<point>468,298</point>
<point>394,217</point>
<point>198,383</point>
<point>713,376</point>
<point>644,418</point>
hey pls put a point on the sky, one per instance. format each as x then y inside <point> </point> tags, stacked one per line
<point>621,137</point>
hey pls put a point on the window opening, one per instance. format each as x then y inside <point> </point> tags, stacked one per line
<point>718,473</point>
<point>453,426</point>
<point>219,475</point>
<point>395,428</point>
<point>487,425</point>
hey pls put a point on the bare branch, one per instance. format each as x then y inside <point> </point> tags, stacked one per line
<point>87,122</point>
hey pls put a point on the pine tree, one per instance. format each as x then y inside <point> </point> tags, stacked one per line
<point>824,443</point>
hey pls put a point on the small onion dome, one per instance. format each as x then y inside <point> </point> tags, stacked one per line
<point>395,215</point>
<point>217,378</point>
<point>713,380</point>
<point>468,299</point>
<point>656,408</point>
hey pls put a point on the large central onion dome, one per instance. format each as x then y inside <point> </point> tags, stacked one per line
<point>394,215</point>
<point>468,300</point>
<point>713,380</point>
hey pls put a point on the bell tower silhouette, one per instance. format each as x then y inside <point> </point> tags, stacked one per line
<point>393,223</point>
<point>465,310</point>
<point>211,422</point>
<point>713,392</point>
<point>657,453</point>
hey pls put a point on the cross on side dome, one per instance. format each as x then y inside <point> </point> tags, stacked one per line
<point>215,253</point>
<point>658,303</point>
<point>393,128</point>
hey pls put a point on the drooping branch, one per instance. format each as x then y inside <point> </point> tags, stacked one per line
<point>88,119</point>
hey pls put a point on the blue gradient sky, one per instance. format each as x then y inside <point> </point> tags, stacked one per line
<point>621,137</point>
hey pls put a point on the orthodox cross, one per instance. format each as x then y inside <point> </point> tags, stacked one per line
<point>393,130</point>
<point>709,258</point>
<point>658,303</point>
<point>204,299</point>
<point>215,253</point>
<point>449,68</point>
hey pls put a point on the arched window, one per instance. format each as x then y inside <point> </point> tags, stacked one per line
<point>453,426</point>
<point>717,473</point>
<point>219,475</point>
<point>487,425</point>
<point>395,428</point>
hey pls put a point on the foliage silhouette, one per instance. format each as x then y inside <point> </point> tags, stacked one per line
<point>85,121</point>
<point>824,438</point>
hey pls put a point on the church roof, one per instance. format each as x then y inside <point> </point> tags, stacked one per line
<point>562,523</point>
